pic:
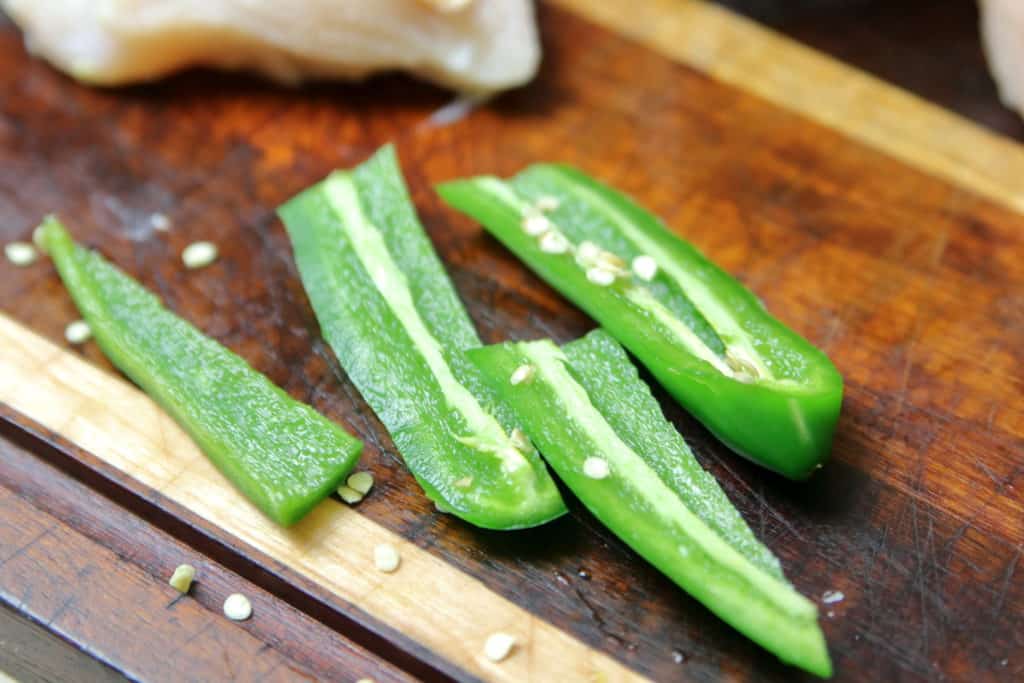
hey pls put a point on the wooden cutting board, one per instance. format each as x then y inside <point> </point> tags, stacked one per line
<point>887,231</point>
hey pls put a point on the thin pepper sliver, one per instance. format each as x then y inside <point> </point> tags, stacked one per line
<point>763,390</point>
<point>598,426</point>
<point>283,455</point>
<point>391,315</point>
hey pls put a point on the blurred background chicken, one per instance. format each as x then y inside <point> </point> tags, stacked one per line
<point>475,46</point>
<point>1002,31</point>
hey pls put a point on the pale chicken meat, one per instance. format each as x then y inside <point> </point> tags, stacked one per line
<point>1002,31</point>
<point>474,46</point>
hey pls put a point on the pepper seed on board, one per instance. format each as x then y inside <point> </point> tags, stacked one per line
<point>237,607</point>
<point>199,255</point>
<point>386,558</point>
<point>498,646</point>
<point>181,579</point>
<point>349,494</point>
<point>21,253</point>
<point>77,332</point>
<point>361,482</point>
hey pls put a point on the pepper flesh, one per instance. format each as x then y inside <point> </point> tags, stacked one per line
<point>589,403</point>
<point>283,455</point>
<point>389,311</point>
<point>762,389</point>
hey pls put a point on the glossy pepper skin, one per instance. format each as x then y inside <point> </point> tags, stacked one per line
<point>762,389</point>
<point>588,403</point>
<point>389,311</point>
<point>283,455</point>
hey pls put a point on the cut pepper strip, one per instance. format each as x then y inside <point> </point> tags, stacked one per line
<point>758,386</point>
<point>283,455</point>
<point>387,308</point>
<point>600,429</point>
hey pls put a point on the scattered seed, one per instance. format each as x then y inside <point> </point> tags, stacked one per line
<point>536,225</point>
<point>77,332</point>
<point>349,494</point>
<point>830,597</point>
<point>21,253</point>
<point>237,607</point>
<point>181,579</point>
<point>199,255</point>
<point>160,222</point>
<point>464,483</point>
<point>386,558</point>
<point>678,656</point>
<point>596,468</point>
<point>519,439</point>
<point>610,261</point>
<point>830,614</point>
<point>554,243</point>
<point>547,203</point>
<point>593,258</point>
<point>587,253</point>
<point>645,267</point>
<point>499,646</point>
<point>583,574</point>
<point>361,482</point>
<point>601,276</point>
<point>524,373</point>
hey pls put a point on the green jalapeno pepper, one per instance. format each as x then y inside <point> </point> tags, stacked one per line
<point>762,389</point>
<point>600,429</point>
<point>389,311</point>
<point>283,455</point>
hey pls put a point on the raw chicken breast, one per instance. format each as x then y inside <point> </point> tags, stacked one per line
<point>1002,30</point>
<point>476,46</point>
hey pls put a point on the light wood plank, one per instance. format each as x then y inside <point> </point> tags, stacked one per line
<point>749,56</point>
<point>428,600</point>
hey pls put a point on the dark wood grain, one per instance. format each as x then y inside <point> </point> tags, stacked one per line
<point>929,47</point>
<point>30,653</point>
<point>912,285</point>
<point>93,573</point>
